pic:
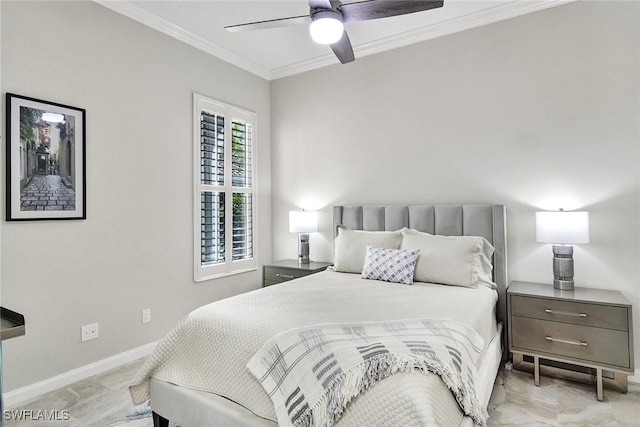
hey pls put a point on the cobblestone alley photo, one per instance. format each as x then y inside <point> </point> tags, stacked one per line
<point>46,150</point>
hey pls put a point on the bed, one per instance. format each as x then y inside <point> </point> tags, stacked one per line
<point>198,374</point>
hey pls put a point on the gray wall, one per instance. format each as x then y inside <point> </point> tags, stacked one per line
<point>135,249</point>
<point>537,112</point>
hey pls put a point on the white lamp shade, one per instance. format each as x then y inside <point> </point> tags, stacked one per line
<point>303,221</point>
<point>562,227</point>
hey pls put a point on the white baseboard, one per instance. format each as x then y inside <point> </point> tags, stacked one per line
<point>32,391</point>
<point>635,378</point>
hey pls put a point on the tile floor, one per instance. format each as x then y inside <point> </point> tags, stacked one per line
<point>101,400</point>
<point>94,402</point>
<point>515,401</point>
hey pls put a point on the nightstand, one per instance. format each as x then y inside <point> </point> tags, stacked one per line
<point>586,328</point>
<point>289,269</point>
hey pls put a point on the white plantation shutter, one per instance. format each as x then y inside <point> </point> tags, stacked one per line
<point>212,248</point>
<point>242,226</point>
<point>241,154</point>
<point>224,207</point>
<point>241,177</point>
<point>211,149</point>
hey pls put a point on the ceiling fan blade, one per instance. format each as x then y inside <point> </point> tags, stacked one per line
<point>272,23</point>
<point>343,49</point>
<point>375,9</point>
<point>320,4</point>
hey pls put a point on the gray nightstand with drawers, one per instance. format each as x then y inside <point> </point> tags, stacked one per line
<point>586,328</point>
<point>289,269</point>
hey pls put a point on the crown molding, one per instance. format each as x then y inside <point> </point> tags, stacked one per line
<point>458,24</point>
<point>472,20</point>
<point>153,21</point>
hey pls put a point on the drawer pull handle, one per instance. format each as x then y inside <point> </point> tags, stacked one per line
<point>580,343</point>
<point>565,313</point>
<point>285,276</point>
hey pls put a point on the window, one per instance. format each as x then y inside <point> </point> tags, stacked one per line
<point>224,199</point>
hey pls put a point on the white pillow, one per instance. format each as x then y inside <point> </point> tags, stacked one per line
<point>450,260</point>
<point>351,247</point>
<point>390,265</point>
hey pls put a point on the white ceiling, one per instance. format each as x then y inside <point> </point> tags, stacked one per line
<point>281,52</point>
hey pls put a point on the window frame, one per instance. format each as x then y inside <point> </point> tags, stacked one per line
<point>230,113</point>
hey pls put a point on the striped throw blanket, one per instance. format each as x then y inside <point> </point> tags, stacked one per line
<point>312,373</point>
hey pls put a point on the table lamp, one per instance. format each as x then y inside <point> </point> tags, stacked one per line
<point>563,229</point>
<point>303,223</point>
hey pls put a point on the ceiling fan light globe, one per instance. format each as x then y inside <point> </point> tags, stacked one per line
<point>326,30</point>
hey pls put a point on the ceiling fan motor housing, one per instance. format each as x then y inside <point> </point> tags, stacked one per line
<point>326,13</point>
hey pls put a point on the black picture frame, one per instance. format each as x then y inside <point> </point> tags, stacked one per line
<point>45,160</point>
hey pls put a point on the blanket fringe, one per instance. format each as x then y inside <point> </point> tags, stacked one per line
<point>351,383</point>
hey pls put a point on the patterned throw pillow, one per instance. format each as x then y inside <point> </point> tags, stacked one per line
<point>390,265</point>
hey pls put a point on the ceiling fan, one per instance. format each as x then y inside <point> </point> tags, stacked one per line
<point>326,19</point>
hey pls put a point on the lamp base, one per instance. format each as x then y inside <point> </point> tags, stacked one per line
<point>303,248</point>
<point>563,267</point>
<point>563,285</point>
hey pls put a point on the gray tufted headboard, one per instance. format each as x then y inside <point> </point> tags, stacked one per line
<point>486,220</point>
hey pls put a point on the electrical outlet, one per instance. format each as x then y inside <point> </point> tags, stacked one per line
<point>146,315</point>
<point>89,332</point>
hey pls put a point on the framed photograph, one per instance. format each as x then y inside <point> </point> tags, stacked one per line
<point>46,173</point>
